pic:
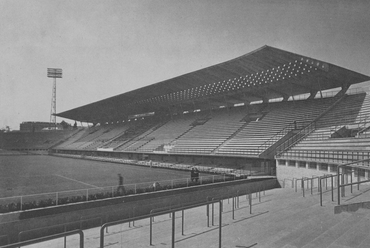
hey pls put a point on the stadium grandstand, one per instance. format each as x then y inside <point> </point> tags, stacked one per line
<point>267,120</point>
<point>277,112</point>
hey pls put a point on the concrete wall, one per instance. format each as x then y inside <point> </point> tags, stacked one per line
<point>83,215</point>
<point>286,169</point>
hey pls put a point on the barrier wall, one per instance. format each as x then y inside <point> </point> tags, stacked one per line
<point>86,215</point>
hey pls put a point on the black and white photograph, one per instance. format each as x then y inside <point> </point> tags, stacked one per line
<point>185,123</point>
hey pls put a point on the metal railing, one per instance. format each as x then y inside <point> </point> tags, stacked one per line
<point>257,187</point>
<point>330,156</point>
<point>48,238</point>
<point>307,130</point>
<point>62,228</point>
<point>296,138</point>
<point>276,137</point>
<point>34,201</point>
<point>337,181</point>
<point>343,185</point>
<point>170,211</point>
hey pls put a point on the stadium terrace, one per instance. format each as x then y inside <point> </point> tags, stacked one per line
<point>266,120</point>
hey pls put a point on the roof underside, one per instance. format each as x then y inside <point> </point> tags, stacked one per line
<point>263,74</point>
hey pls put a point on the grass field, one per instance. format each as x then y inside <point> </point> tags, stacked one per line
<point>25,175</point>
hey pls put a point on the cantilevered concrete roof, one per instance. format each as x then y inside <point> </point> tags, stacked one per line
<point>263,74</point>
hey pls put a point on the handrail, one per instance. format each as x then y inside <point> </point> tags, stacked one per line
<point>307,130</point>
<point>268,143</point>
<point>81,221</point>
<point>47,238</point>
<point>338,172</point>
<point>297,137</point>
<point>102,228</point>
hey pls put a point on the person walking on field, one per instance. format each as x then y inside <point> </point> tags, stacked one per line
<point>196,174</point>
<point>120,189</point>
<point>192,174</point>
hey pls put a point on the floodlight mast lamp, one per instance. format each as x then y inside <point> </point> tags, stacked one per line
<point>54,73</point>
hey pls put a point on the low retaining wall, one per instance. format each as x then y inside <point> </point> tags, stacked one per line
<point>40,222</point>
<point>351,207</point>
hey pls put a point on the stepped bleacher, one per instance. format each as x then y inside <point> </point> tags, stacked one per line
<point>338,136</point>
<point>135,137</point>
<point>240,131</point>
<point>42,140</point>
<point>277,116</point>
<point>161,138</point>
<point>205,138</point>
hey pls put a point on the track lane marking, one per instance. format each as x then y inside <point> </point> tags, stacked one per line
<point>94,186</point>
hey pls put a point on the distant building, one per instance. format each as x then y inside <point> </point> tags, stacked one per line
<point>31,126</point>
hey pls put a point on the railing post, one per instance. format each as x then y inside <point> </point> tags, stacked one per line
<point>338,186</point>
<point>233,206</point>
<point>320,186</point>
<point>332,188</point>
<point>151,231</point>
<point>351,182</point>
<point>358,179</point>
<point>65,237</point>
<point>182,222</point>
<point>207,215</point>
<point>213,213</point>
<point>220,225</point>
<point>173,229</point>
<point>303,187</point>
<point>295,184</point>
<point>311,185</point>
<point>343,187</point>
<point>250,203</point>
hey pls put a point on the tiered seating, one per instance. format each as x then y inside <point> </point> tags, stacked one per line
<point>78,135</point>
<point>91,138</point>
<point>136,134</point>
<point>363,118</point>
<point>167,133</point>
<point>36,141</point>
<point>277,116</point>
<point>207,137</point>
<point>235,131</point>
<point>349,113</point>
<point>108,134</point>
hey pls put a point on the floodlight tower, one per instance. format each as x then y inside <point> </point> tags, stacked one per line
<point>54,73</point>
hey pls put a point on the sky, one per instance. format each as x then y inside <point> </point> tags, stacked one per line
<point>109,47</point>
